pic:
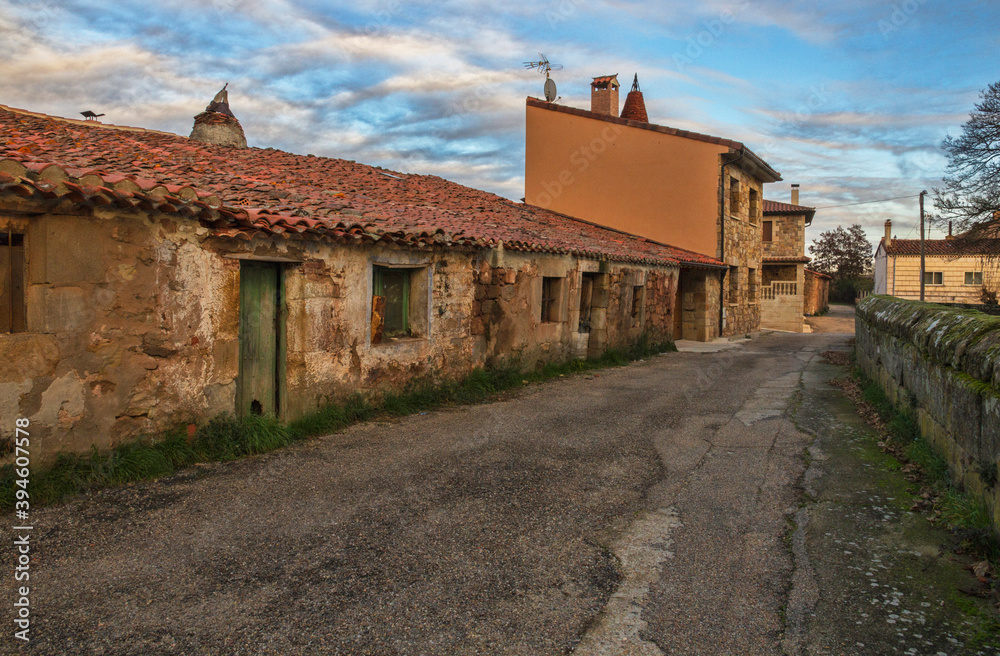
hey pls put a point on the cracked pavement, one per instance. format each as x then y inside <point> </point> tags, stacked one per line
<point>651,509</point>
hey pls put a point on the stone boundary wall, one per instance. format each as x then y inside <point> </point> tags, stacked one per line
<point>944,364</point>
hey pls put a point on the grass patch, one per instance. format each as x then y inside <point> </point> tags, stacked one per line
<point>964,514</point>
<point>227,437</point>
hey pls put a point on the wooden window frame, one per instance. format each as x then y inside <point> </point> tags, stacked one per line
<point>551,299</point>
<point>932,274</point>
<point>13,267</point>
<point>974,275</point>
<point>767,231</point>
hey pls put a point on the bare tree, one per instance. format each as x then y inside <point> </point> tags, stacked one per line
<point>971,193</point>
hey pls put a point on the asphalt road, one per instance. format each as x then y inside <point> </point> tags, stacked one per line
<point>644,510</point>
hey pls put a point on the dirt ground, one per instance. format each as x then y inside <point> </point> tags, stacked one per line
<point>840,319</point>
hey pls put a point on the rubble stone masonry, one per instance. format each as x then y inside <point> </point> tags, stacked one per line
<point>742,240</point>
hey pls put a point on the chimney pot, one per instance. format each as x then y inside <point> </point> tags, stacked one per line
<point>604,95</point>
<point>888,232</point>
<point>795,194</point>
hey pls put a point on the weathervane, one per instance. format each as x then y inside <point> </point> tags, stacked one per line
<point>544,66</point>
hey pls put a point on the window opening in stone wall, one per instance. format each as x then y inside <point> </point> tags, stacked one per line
<point>390,303</point>
<point>752,284</point>
<point>973,277</point>
<point>753,205</point>
<point>734,196</point>
<point>637,291</point>
<point>586,301</point>
<point>734,283</point>
<point>768,230</point>
<point>12,309</point>
<point>550,299</point>
<point>933,277</point>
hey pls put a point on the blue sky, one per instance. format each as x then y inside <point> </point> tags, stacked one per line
<point>849,98</point>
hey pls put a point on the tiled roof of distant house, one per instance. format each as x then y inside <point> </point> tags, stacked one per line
<point>946,247</point>
<point>246,192</point>
<point>775,208</point>
<point>767,173</point>
<point>786,258</point>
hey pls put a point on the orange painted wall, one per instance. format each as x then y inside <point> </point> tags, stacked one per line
<point>644,182</point>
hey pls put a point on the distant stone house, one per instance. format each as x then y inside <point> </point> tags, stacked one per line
<point>956,270</point>
<point>783,299</point>
<point>152,280</point>
<point>817,293</point>
<point>695,191</point>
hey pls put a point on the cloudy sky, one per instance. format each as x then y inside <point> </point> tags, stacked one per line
<point>849,98</point>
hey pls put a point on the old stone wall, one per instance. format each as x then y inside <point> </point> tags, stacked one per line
<point>743,250</point>
<point>944,364</point>
<point>817,293</point>
<point>507,310</point>
<point>140,332</point>
<point>788,235</point>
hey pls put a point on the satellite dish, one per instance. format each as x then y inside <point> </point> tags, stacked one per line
<point>550,90</point>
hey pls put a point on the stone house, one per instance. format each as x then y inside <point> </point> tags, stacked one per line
<point>956,270</point>
<point>784,261</point>
<point>817,293</point>
<point>695,191</point>
<point>152,280</point>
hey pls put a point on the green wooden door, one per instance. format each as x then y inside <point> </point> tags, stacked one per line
<point>260,352</point>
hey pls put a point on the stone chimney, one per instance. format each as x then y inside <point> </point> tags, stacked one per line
<point>217,125</point>
<point>795,194</point>
<point>635,106</point>
<point>888,233</point>
<point>604,95</point>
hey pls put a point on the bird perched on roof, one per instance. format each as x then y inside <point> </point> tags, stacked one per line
<point>90,116</point>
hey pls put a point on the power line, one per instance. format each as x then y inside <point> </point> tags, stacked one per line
<point>866,202</point>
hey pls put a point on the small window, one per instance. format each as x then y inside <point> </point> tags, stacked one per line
<point>734,283</point>
<point>752,284</point>
<point>12,309</point>
<point>586,301</point>
<point>973,277</point>
<point>933,278</point>
<point>400,302</point>
<point>551,288</point>
<point>753,206</point>
<point>734,196</point>
<point>768,230</point>
<point>637,297</point>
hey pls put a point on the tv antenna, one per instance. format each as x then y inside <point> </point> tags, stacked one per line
<point>543,65</point>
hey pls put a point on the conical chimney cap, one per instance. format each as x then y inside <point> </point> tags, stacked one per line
<point>635,106</point>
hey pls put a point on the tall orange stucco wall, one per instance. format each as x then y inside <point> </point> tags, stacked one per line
<point>648,183</point>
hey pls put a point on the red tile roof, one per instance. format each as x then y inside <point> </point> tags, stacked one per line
<point>786,258</point>
<point>819,274</point>
<point>775,207</point>
<point>605,79</point>
<point>246,192</point>
<point>945,247</point>
<point>764,169</point>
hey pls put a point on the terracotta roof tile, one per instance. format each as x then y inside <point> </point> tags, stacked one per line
<point>786,258</point>
<point>946,247</point>
<point>775,207</point>
<point>242,193</point>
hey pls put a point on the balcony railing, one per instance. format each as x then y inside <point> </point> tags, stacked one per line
<point>775,289</point>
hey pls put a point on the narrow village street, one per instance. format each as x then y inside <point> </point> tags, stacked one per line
<point>704,502</point>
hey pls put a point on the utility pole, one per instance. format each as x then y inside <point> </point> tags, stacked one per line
<point>922,262</point>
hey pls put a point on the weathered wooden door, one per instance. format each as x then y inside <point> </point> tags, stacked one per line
<point>258,391</point>
<point>678,309</point>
